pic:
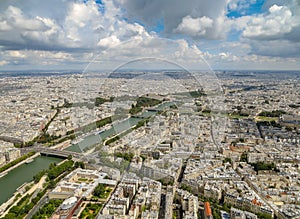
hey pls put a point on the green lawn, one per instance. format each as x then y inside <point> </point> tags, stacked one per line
<point>90,211</point>
<point>101,192</point>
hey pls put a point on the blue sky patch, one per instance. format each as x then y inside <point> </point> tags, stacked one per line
<point>252,9</point>
<point>159,27</point>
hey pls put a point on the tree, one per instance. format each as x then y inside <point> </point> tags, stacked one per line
<point>186,187</point>
<point>79,164</point>
<point>99,190</point>
<point>51,184</point>
<point>52,165</point>
<point>10,216</point>
<point>264,216</point>
<point>15,210</point>
<point>244,157</point>
<point>56,171</point>
<point>125,156</point>
<point>39,175</point>
<point>263,166</point>
<point>227,160</point>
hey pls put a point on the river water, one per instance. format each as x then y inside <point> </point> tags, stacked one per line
<point>24,173</point>
<point>116,128</point>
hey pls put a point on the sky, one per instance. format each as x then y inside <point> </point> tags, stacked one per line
<point>194,34</point>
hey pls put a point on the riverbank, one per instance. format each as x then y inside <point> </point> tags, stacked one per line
<point>24,173</point>
<point>2,174</point>
<point>5,207</point>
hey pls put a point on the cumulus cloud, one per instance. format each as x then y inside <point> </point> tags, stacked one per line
<point>78,33</point>
<point>27,32</point>
<point>194,26</point>
<point>178,52</point>
<point>80,27</point>
<point>16,19</point>
<point>276,23</point>
<point>109,42</point>
<point>59,31</point>
<point>207,18</point>
<point>275,33</point>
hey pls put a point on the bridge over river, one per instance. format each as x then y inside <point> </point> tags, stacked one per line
<point>53,152</point>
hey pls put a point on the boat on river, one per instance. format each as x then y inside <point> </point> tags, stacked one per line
<point>29,161</point>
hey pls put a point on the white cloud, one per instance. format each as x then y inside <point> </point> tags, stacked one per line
<point>16,54</point>
<point>239,5</point>
<point>28,32</point>
<point>194,26</point>
<point>3,62</point>
<point>76,30</point>
<point>108,42</point>
<point>275,33</point>
<point>79,28</point>
<point>178,52</point>
<point>15,18</point>
<point>4,26</point>
<point>277,22</point>
<point>207,18</point>
<point>223,55</point>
